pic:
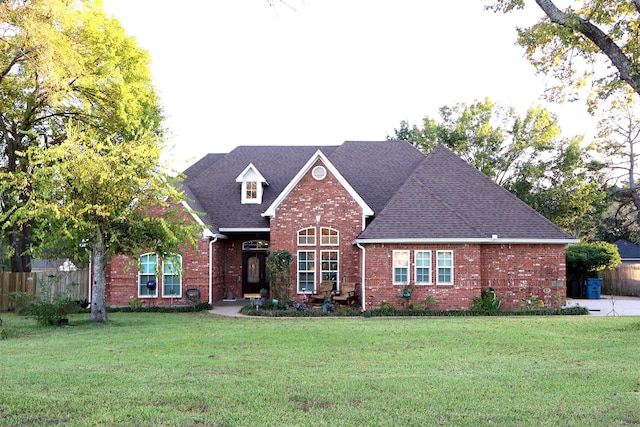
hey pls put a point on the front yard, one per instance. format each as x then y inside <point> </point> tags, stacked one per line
<point>200,369</point>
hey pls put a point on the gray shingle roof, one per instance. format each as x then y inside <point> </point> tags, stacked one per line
<point>413,196</point>
<point>628,250</point>
<point>446,198</point>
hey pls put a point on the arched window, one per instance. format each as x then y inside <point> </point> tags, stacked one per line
<point>328,236</point>
<point>307,237</point>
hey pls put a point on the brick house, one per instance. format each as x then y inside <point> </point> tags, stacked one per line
<point>381,214</point>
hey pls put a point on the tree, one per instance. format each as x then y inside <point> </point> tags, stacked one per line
<point>586,259</point>
<point>618,143</point>
<point>526,155</point>
<point>61,60</point>
<point>100,198</point>
<point>278,263</point>
<point>572,44</point>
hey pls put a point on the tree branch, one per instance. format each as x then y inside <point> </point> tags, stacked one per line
<point>570,20</point>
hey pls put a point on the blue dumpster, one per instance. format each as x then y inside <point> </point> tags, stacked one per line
<point>592,288</point>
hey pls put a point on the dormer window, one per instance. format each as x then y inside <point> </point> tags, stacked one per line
<point>252,185</point>
<point>251,192</point>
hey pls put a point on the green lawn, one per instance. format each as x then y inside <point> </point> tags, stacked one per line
<point>200,369</point>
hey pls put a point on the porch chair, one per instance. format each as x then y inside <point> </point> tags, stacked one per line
<point>347,294</point>
<point>324,293</point>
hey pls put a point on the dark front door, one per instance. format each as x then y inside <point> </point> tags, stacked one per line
<point>254,274</point>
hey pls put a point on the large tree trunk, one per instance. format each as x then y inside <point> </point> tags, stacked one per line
<point>98,291</point>
<point>19,241</point>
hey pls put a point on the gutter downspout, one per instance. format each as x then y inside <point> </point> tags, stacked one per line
<point>211,242</point>
<point>364,269</point>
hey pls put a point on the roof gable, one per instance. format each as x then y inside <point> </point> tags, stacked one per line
<point>319,155</point>
<point>251,173</point>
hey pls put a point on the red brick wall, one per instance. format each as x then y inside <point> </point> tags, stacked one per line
<point>524,270</point>
<point>459,295</point>
<point>329,200</point>
<point>513,271</point>
<point>122,278</point>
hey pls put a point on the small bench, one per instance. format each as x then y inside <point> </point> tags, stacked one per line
<point>347,295</point>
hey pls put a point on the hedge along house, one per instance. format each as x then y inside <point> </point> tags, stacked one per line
<point>381,214</point>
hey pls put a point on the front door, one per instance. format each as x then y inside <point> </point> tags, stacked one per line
<point>254,274</point>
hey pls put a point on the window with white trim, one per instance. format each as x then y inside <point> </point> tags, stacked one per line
<point>147,280</point>
<point>307,237</point>
<point>445,267</point>
<point>250,192</point>
<point>400,267</point>
<point>328,236</point>
<point>306,271</point>
<point>172,276</point>
<point>329,267</point>
<point>423,267</point>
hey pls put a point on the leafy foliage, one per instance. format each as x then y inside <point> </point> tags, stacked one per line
<point>592,46</point>
<point>46,311</point>
<point>100,197</point>
<point>524,154</point>
<point>592,258</point>
<point>278,263</point>
<point>487,302</point>
<point>62,60</point>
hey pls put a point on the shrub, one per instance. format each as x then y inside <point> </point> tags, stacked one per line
<point>487,302</point>
<point>46,312</point>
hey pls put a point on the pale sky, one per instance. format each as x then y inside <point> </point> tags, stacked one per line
<point>242,72</point>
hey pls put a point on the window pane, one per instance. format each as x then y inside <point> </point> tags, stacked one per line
<point>251,190</point>
<point>307,236</point>
<point>147,281</point>
<point>329,237</point>
<point>306,271</point>
<point>423,267</point>
<point>329,267</point>
<point>171,278</point>
<point>445,267</point>
<point>400,266</point>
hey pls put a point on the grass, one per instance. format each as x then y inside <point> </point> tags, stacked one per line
<point>199,369</point>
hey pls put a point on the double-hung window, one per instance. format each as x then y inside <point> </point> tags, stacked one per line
<point>329,267</point>
<point>445,267</point>
<point>400,267</point>
<point>147,280</point>
<point>306,271</point>
<point>148,270</point>
<point>423,267</point>
<point>172,276</point>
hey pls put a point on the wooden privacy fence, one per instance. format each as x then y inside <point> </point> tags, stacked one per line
<point>624,280</point>
<point>74,284</point>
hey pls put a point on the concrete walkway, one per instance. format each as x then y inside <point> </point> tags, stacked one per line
<point>607,305</point>
<point>230,308</point>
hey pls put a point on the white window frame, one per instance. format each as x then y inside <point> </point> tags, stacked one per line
<point>306,237</point>
<point>416,257</point>
<point>251,195</point>
<point>175,271</point>
<point>336,271</point>
<point>332,232</point>
<point>311,271</point>
<point>145,275</point>
<point>439,266</point>
<point>407,267</point>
